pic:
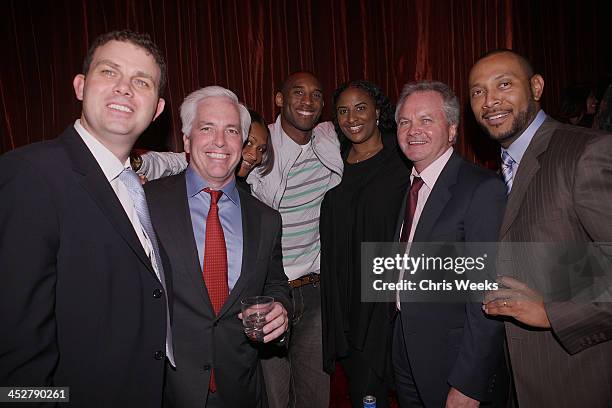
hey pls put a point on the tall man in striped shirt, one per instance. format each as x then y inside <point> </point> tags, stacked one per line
<point>307,165</point>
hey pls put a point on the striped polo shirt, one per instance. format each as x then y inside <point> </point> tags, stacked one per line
<point>307,183</point>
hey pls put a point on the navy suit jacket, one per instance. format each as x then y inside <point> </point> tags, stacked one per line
<point>80,305</point>
<point>455,344</point>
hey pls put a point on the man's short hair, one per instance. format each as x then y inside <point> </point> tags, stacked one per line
<point>450,102</point>
<point>282,89</point>
<point>141,40</point>
<point>191,102</point>
<point>525,63</point>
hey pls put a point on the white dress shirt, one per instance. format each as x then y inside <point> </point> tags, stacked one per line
<point>112,168</point>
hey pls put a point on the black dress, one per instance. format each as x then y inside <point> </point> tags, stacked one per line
<point>362,208</point>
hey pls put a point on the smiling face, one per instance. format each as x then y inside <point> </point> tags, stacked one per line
<point>503,98</point>
<point>423,132</point>
<point>301,103</point>
<point>253,149</point>
<point>119,94</point>
<point>357,114</point>
<point>215,140</point>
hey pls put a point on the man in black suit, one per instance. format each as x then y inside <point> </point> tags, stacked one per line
<point>444,353</point>
<point>216,364</point>
<point>82,300</point>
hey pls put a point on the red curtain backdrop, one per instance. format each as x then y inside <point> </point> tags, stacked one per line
<point>250,46</point>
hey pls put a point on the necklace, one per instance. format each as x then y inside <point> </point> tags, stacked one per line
<point>363,156</point>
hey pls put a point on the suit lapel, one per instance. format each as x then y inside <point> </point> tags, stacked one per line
<point>251,229</point>
<point>93,181</point>
<point>400,217</point>
<point>528,168</point>
<point>438,198</point>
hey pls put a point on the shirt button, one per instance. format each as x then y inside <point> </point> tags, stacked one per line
<point>157,293</point>
<point>158,355</point>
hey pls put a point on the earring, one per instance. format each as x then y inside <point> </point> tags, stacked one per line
<point>376,122</point>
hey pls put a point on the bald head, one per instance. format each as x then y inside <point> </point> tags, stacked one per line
<point>504,94</point>
<point>523,62</point>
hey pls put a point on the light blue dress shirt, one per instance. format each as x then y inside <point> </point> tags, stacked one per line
<point>229,214</point>
<point>517,149</point>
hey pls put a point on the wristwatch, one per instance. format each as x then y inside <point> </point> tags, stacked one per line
<point>136,162</point>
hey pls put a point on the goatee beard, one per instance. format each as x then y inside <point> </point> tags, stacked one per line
<point>519,124</point>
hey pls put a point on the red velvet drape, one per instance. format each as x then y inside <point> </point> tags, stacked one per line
<point>250,46</point>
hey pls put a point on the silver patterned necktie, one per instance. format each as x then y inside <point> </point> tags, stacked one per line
<point>134,187</point>
<point>506,168</point>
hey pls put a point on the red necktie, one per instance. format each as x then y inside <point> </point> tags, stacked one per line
<point>215,262</point>
<point>413,197</point>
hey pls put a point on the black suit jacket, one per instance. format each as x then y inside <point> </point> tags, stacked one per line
<point>203,340</point>
<point>455,344</point>
<point>77,304</point>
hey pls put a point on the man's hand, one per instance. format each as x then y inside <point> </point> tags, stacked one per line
<point>517,300</point>
<point>456,399</point>
<point>277,322</point>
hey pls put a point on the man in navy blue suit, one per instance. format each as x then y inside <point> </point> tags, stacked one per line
<point>444,354</point>
<point>83,299</point>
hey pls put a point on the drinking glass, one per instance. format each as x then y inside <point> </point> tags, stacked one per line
<point>254,311</point>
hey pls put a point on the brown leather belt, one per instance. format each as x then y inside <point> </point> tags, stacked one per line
<point>311,278</point>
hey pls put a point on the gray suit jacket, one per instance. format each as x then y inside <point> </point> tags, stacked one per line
<point>561,193</point>
<point>202,340</point>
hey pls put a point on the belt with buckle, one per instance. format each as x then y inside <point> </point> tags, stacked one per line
<point>311,278</point>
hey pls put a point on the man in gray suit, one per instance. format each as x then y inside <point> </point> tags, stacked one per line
<point>223,245</point>
<point>559,181</point>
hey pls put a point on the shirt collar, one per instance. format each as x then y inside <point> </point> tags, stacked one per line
<point>431,173</point>
<point>109,163</point>
<point>285,138</point>
<point>195,184</point>
<point>517,149</point>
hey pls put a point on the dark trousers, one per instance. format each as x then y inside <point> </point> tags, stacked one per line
<point>407,392</point>
<point>295,377</point>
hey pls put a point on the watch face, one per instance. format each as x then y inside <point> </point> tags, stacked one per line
<point>136,162</point>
